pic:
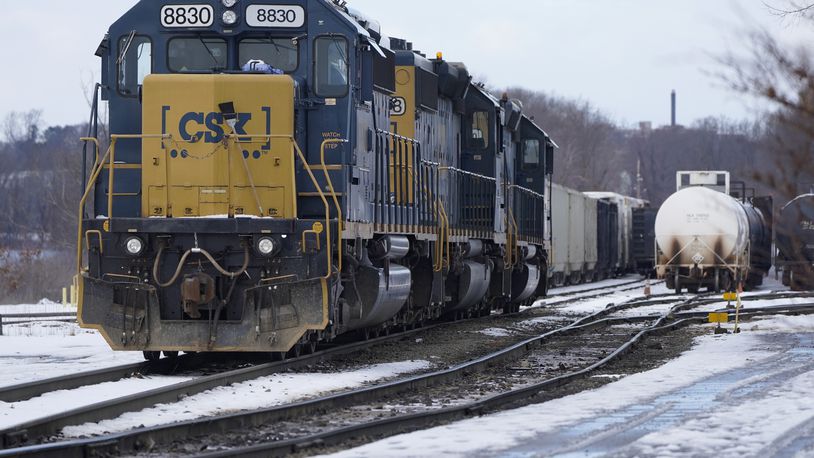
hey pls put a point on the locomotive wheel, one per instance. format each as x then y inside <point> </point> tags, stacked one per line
<point>152,355</point>
<point>170,354</point>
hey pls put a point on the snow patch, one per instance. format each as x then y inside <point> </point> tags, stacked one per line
<point>260,393</point>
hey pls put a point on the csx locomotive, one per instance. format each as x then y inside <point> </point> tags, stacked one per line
<point>281,173</point>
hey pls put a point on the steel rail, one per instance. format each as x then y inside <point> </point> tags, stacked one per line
<point>33,389</point>
<point>28,390</point>
<point>51,425</point>
<point>502,401</point>
<point>142,438</point>
<point>35,430</point>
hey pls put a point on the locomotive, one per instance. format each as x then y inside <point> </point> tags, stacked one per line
<point>707,238</point>
<point>281,173</point>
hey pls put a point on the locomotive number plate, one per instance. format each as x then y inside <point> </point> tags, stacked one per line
<point>283,16</point>
<point>175,16</point>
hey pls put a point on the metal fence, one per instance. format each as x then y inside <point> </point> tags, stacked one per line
<point>10,319</point>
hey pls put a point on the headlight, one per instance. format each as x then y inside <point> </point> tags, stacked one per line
<point>134,246</point>
<point>229,3</point>
<point>266,246</point>
<point>229,17</point>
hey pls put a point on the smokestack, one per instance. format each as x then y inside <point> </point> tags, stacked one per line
<point>673,110</point>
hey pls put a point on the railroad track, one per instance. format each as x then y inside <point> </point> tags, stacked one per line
<point>145,438</point>
<point>28,390</point>
<point>43,428</point>
<point>37,430</point>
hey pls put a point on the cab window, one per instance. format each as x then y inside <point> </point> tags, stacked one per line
<point>280,53</point>
<point>136,63</point>
<point>331,67</point>
<point>196,55</point>
<point>531,154</point>
<point>479,132</point>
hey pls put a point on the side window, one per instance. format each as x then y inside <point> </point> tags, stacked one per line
<point>479,132</point>
<point>136,63</point>
<point>331,67</point>
<point>531,154</point>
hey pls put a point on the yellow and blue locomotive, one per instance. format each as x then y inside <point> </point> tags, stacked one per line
<point>281,173</point>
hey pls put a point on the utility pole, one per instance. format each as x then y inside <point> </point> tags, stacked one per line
<point>639,179</point>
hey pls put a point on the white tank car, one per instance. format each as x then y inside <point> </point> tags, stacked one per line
<point>703,237</point>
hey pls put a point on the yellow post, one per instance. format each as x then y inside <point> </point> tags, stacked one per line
<point>738,308</point>
<point>64,296</point>
<point>74,299</point>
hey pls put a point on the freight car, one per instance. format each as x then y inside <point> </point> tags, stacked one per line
<point>624,262</point>
<point>795,243</point>
<point>591,237</point>
<point>282,174</point>
<point>706,238</point>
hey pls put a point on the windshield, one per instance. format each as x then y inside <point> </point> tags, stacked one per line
<point>280,53</point>
<point>196,55</point>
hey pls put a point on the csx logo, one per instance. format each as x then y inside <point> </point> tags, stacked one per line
<point>197,126</point>
<point>209,127</point>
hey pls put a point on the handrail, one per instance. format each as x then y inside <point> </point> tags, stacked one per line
<point>511,242</point>
<point>96,151</point>
<point>333,194</point>
<point>240,139</point>
<point>88,189</point>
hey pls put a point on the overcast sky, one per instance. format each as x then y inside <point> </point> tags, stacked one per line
<point>624,56</point>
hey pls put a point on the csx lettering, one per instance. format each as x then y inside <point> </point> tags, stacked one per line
<point>209,127</point>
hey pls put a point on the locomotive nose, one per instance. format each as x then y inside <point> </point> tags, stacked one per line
<point>226,153</point>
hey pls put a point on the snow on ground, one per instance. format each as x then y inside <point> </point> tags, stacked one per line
<point>60,401</point>
<point>600,284</point>
<point>261,393</point>
<point>53,350</point>
<point>495,332</point>
<point>731,395</point>
<point>588,306</point>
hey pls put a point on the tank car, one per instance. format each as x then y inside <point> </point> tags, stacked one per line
<point>706,238</point>
<point>795,242</point>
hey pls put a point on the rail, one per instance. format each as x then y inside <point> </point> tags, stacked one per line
<point>406,186</point>
<point>529,213</point>
<point>475,196</point>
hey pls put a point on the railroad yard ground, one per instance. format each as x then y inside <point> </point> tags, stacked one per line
<point>686,392</point>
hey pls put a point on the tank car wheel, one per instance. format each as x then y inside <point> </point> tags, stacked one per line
<point>677,284</point>
<point>171,354</point>
<point>786,278</point>
<point>152,355</point>
<point>693,288</point>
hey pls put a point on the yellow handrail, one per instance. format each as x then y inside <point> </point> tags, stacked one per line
<point>333,193</point>
<point>94,176</point>
<point>96,151</point>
